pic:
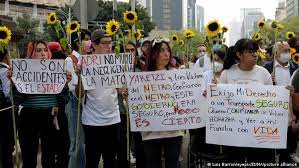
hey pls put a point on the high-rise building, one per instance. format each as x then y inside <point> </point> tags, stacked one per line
<point>281,13</point>
<point>199,19</point>
<point>234,32</point>
<point>292,7</point>
<point>191,13</point>
<point>250,18</point>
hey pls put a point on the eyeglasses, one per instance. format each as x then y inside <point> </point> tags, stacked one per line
<point>130,49</point>
<point>106,43</point>
<point>157,41</point>
<point>252,53</point>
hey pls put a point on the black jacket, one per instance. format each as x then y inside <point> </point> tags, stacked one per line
<point>292,67</point>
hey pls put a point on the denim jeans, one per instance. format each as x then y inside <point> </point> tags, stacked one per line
<point>72,113</point>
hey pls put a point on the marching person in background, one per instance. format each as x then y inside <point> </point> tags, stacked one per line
<point>246,72</point>
<point>145,51</point>
<point>169,141</point>
<point>6,122</point>
<point>36,120</point>
<point>281,76</point>
<point>62,140</point>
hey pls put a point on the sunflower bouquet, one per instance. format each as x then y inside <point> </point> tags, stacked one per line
<point>5,37</point>
<point>63,34</point>
<point>214,35</point>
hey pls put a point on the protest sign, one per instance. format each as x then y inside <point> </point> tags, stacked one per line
<point>247,116</point>
<point>105,70</point>
<point>39,76</point>
<point>166,100</point>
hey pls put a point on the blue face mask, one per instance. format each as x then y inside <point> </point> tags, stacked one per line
<point>216,47</point>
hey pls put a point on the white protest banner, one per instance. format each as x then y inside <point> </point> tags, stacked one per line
<point>247,116</point>
<point>105,70</point>
<point>166,100</point>
<point>39,76</point>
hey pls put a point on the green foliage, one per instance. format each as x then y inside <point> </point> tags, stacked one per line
<point>28,28</point>
<point>106,10</point>
<point>190,45</point>
<point>291,24</point>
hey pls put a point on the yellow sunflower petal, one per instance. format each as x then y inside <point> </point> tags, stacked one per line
<point>295,58</point>
<point>224,29</point>
<point>181,43</point>
<point>212,28</point>
<point>289,35</point>
<point>112,27</point>
<point>137,34</point>
<point>256,36</point>
<point>52,18</point>
<point>130,17</point>
<point>261,24</point>
<point>189,33</point>
<point>274,24</point>
<point>5,35</point>
<point>174,38</point>
<point>293,51</point>
<point>72,27</point>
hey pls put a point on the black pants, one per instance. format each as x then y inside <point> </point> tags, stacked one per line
<point>37,124</point>
<point>153,152</point>
<point>6,139</point>
<point>123,162</point>
<point>101,140</point>
<point>139,150</point>
<point>62,140</point>
<point>291,147</point>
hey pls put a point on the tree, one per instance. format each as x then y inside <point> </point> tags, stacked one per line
<point>28,28</point>
<point>291,24</point>
<point>144,21</point>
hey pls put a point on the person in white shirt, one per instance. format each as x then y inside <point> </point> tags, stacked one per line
<point>246,72</point>
<point>282,69</point>
<point>100,115</point>
<point>6,124</point>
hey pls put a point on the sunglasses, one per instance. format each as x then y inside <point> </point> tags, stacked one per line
<point>158,41</point>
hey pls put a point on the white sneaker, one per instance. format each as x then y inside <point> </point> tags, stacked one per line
<point>132,159</point>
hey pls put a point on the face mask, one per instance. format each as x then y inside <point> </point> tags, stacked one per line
<point>201,54</point>
<point>216,47</point>
<point>284,57</point>
<point>218,67</point>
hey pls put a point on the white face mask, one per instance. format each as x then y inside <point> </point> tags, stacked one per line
<point>284,57</point>
<point>218,67</point>
<point>201,54</point>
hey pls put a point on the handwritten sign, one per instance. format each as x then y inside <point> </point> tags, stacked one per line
<point>248,116</point>
<point>165,100</point>
<point>105,70</point>
<point>39,76</point>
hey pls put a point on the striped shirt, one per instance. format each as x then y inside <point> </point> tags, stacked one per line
<point>40,101</point>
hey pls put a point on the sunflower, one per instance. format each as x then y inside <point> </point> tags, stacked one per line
<point>112,27</point>
<point>212,28</point>
<point>189,33</point>
<point>174,38</point>
<point>274,24</point>
<point>130,17</point>
<point>261,55</point>
<point>256,36</point>
<point>224,29</point>
<point>261,24</point>
<point>72,27</point>
<point>293,51</point>
<point>181,43</point>
<point>290,35</point>
<point>280,26</point>
<point>52,18</point>
<point>295,58</point>
<point>5,35</point>
<point>137,34</point>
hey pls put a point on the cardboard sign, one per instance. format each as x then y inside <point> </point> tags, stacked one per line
<point>166,100</point>
<point>105,70</point>
<point>39,76</point>
<point>247,116</point>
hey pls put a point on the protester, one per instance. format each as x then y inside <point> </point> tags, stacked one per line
<point>168,141</point>
<point>37,117</point>
<point>100,114</point>
<point>282,69</point>
<point>6,122</point>
<point>246,72</point>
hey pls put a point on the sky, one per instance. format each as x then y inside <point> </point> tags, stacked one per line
<point>227,10</point>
